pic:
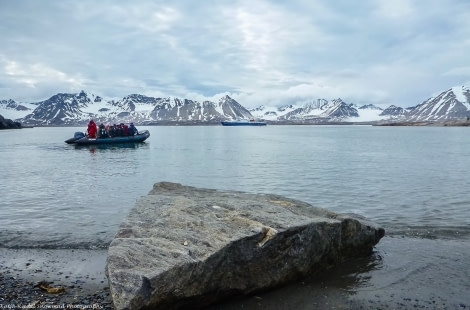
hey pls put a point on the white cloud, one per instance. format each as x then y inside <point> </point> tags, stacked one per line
<point>396,9</point>
<point>374,51</point>
<point>150,19</point>
<point>33,75</point>
<point>459,71</point>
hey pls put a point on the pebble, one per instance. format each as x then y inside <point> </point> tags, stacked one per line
<point>16,294</point>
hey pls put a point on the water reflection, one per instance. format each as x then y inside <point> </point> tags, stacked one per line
<point>429,232</point>
<point>349,276</point>
<point>402,273</point>
<point>328,289</point>
<point>111,147</point>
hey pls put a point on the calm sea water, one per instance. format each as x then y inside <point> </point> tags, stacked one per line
<point>413,181</point>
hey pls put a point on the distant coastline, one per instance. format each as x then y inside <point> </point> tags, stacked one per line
<point>450,123</point>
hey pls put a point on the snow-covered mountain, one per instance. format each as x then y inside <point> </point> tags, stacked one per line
<point>63,109</point>
<point>174,109</point>
<point>320,110</point>
<point>451,104</point>
<point>394,112</point>
<point>77,109</point>
<point>271,113</point>
<point>13,110</point>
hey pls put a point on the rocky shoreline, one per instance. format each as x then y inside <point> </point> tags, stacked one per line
<point>397,273</point>
<point>58,278</point>
<point>17,293</point>
<point>403,273</point>
<point>450,123</point>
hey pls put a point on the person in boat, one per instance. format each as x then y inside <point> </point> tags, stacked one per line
<point>112,131</point>
<point>125,130</point>
<point>132,130</point>
<point>92,129</point>
<point>102,132</point>
<point>119,130</point>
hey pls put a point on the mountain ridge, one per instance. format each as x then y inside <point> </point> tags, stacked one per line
<point>64,109</point>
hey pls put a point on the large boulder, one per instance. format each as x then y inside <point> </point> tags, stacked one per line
<point>183,246</point>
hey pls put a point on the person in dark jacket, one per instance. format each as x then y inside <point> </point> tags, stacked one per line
<point>102,132</point>
<point>120,130</point>
<point>132,130</point>
<point>112,131</point>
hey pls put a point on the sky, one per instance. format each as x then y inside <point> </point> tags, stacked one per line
<point>270,53</point>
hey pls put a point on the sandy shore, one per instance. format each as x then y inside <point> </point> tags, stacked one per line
<point>403,273</point>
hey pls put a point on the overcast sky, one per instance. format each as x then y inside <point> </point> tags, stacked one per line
<point>259,52</point>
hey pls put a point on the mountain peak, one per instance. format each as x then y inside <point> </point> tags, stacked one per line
<point>453,103</point>
<point>226,97</point>
<point>371,107</point>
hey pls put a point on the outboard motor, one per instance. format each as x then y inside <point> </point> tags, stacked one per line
<point>78,135</point>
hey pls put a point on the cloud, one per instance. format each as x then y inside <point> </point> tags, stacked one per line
<point>375,51</point>
<point>34,74</point>
<point>459,71</point>
<point>37,78</point>
<point>396,9</point>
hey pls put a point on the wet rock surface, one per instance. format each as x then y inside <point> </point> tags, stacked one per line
<point>183,247</point>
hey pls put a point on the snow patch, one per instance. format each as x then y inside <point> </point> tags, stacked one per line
<point>366,115</point>
<point>14,114</point>
<point>459,93</point>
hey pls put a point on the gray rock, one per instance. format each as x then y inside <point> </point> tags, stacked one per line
<point>183,246</point>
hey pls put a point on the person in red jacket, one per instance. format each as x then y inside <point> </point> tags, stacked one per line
<point>91,129</point>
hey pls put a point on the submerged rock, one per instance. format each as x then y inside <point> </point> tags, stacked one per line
<point>183,246</point>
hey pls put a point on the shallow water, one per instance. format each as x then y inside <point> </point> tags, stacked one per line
<point>403,273</point>
<point>413,181</point>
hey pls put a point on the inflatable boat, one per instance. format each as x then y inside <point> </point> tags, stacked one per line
<point>79,138</point>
